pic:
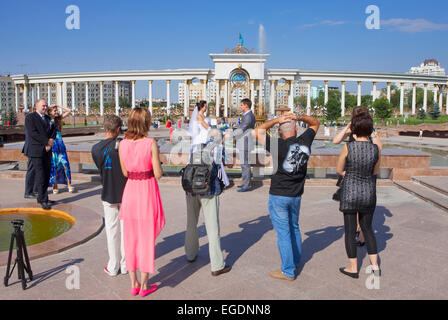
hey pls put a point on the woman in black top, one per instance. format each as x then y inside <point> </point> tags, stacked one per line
<point>359,163</point>
<point>347,133</point>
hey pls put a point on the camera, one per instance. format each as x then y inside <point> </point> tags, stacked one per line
<point>17,223</point>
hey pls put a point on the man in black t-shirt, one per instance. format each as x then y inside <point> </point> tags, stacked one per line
<point>290,155</point>
<point>105,155</point>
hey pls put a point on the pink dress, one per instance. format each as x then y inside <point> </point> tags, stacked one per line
<point>141,206</point>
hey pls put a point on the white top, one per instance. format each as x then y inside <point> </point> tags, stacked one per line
<point>199,133</point>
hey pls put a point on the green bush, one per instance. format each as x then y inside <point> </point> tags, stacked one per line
<point>333,109</point>
<point>421,114</point>
<point>435,111</point>
<point>383,108</point>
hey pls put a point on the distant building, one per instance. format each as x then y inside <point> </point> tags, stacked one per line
<point>300,88</point>
<point>124,89</point>
<point>315,91</point>
<point>430,67</point>
<point>7,93</point>
<point>196,93</point>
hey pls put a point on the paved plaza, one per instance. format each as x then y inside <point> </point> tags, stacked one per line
<point>411,236</point>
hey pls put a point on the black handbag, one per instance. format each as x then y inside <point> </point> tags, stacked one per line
<point>337,194</point>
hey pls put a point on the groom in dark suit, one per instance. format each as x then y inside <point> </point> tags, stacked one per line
<point>245,142</point>
<point>40,135</point>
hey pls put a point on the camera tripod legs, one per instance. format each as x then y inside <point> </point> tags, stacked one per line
<point>22,266</point>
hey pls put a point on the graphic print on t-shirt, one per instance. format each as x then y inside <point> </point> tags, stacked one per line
<point>108,161</point>
<point>296,159</point>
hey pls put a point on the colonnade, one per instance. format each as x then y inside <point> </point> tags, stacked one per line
<point>438,95</point>
<point>222,91</point>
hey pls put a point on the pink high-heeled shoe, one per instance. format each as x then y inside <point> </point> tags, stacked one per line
<point>135,291</point>
<point>144,293</point>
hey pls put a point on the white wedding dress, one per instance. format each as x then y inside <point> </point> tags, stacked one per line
<point>199,135</point>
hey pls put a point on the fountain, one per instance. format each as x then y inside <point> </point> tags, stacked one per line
<point>39,225</point>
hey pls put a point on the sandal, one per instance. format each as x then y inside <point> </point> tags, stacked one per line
<point>55,191</point>
<point>71,189</point>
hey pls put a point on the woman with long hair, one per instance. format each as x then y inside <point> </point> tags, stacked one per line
<point>141,207</point>
<point>60,166</point>
<point>359,163</point>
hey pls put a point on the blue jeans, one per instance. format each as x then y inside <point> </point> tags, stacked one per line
<point>284,212</point>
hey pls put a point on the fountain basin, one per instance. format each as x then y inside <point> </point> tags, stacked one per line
<point>39,225</point>
<point>85,224</point>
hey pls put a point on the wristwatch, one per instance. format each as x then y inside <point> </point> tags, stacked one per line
<point>299,115</point>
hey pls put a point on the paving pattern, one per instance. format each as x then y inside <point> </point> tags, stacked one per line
<point>411,236</point>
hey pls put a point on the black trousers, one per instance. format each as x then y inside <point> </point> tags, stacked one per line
<point>350,224</point>
<point>42,168</point>
<point>30,185</point>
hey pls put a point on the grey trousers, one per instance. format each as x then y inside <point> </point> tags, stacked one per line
<point>210,207</point>
<point>246,175</point>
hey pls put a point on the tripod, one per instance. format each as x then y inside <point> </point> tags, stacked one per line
<point>22,265</point>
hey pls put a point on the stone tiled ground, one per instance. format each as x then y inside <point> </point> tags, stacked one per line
<point>411,236</point>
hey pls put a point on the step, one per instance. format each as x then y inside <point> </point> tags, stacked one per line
<point>437,199</point>
<point>439,183</point>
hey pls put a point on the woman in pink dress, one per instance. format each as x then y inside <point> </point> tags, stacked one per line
<point>141,207</point>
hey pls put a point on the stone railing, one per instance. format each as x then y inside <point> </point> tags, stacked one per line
<point>396,164</point>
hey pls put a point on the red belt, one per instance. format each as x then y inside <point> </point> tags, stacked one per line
<point>141,175</point>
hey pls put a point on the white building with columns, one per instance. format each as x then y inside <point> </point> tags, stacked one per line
<point>238,74</point>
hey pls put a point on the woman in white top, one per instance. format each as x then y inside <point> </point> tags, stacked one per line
<point>199,127</point>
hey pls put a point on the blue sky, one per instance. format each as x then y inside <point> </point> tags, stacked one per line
<point>128,35</point>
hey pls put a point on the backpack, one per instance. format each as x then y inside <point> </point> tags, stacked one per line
<point>199,175</point>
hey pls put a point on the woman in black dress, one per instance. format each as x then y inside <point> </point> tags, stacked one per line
<point>359,163</point>
<point>342,136</point>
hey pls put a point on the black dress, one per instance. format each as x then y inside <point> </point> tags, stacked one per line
<point>358,192</point>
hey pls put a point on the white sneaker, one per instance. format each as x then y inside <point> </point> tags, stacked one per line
<point>109,273</point>
<point>123,271</point>
<point>71,189</point>
<point>55,191</point>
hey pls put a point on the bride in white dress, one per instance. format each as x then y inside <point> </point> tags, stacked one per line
<point>199,129</point>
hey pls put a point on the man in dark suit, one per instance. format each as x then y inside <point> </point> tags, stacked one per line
<point>245,142</point>
<point>30,186</point>
<point>40,135</point>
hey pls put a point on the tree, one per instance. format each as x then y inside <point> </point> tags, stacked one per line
<point>351,101</point>
<point>383,109</point>
<point>333,109</point>
<point>421,114</point>
<point>12,116</point>
<point>366,101</point>
<point>95,107</point>
<point>395,99</point>
<point>124,103</point>
<point>435,111</point>
<point>109,106</point>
